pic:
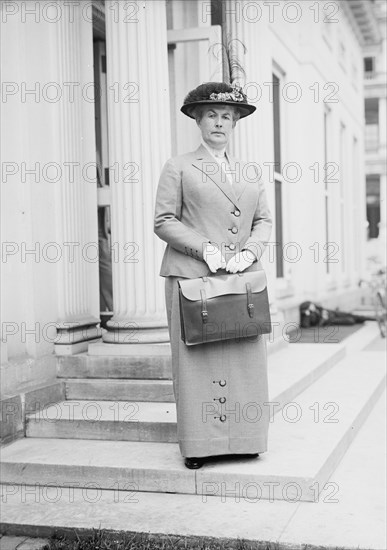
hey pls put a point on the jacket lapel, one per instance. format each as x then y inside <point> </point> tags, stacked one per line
<point>240,183</point>
<point>210,168</point>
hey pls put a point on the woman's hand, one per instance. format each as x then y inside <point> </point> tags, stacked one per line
<point>213,257</point>
<point>241,261</point>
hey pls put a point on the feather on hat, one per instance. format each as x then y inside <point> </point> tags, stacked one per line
<point>221,93</point>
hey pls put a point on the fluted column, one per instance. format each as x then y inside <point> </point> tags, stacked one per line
<point>76,193</point>
<point>139,144</point>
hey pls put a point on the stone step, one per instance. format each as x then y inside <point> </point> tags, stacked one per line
<point>291,371</point>
<point>358,507</point>
<point>306,443</point>
<point>119,390</point>
<point>158,367</point>
<point>162,390</point>
<point>308,438</point>
<point>140,361</point>
<point>82,365</point>
<point>112,420</point>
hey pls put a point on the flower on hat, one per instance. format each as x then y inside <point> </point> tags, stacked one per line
<point>235,95</point>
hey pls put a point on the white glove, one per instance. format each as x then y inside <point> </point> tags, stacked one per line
<point>241,261</point>
<point>213,257</point>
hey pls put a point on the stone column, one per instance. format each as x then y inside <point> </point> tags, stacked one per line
<point>76,193</point>
<point>139,144</point>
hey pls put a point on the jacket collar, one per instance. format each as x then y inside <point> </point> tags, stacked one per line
<point>206,163</point>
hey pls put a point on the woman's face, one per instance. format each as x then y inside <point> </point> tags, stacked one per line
<point>216,125</point>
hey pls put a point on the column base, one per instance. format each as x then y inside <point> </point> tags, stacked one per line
<point>136,335</point>
<point>76,334</point>
<point>161,350</point>
<point>73,349</point>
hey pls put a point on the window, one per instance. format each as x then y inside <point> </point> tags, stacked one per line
<point>369,67</point>
<point>216,12</point>
<point>373,205</point>
<point>371,111</point>
<point>277,177</point>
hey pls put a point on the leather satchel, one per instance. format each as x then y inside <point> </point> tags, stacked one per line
<point>223,307</point>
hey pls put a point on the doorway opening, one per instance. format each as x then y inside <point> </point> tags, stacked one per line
<point>102,156</point>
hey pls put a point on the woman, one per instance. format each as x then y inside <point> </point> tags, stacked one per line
<point>212,212</point>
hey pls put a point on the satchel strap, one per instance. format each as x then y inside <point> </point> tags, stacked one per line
<point>250,305</point>
<point>204,311</point>
<point>203,296</point>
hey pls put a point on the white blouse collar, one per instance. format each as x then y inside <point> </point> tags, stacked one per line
<point>219,153</point>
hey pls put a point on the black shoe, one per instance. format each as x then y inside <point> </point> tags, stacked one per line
<point>193,463</point>
<point>246,455</point>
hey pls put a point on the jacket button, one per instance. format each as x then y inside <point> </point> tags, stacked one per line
<point>231,246</point>
<point>237,213</point>
<point>234,230</point>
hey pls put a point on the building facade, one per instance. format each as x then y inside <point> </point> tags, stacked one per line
<point>91,95</point>
<point>375,101</point>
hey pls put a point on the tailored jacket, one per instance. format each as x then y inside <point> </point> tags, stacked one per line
<point>196,204</point>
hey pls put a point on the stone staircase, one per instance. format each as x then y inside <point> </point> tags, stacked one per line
<point>116,429</point>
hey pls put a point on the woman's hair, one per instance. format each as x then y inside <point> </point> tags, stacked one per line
<point>198,111</point>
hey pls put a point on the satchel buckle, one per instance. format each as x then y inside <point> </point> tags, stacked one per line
<point>250,309</point>
<point>204,311</point>
<point>250,305</point>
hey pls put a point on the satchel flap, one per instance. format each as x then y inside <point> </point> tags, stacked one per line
<point>218,285</point>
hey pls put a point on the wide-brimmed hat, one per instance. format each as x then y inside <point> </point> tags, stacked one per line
<point>217,93</point>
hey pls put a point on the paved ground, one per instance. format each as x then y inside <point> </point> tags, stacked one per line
<point>378,344</point>
<point>350,511</point>
<point>355,515</point>
<point>21,543</point>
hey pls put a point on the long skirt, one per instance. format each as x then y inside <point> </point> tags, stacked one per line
<point>220,388</point>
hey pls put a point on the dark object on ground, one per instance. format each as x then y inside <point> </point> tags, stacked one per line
<point>314,315</point>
